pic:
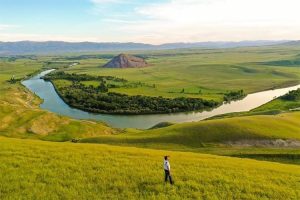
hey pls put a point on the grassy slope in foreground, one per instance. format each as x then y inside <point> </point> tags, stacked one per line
<point>47,170</point>
<point>220,131</point>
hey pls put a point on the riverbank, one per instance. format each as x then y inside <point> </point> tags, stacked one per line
<point>54,103</point>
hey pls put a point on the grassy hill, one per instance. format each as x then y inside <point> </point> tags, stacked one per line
<point>47,170</point>
<point>20,115</point>
<point>220,131</point>
<point>265,137</point>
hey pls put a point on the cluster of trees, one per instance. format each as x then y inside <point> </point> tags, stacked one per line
<point>13,80</point>
<point>89,89</point>
<point>57,64</point>
<point>294,62</point>
<point>292,95</point>
<point>115,103</point>
<point>234,95</point>
<point>100,100</point>
<point>80,77</point>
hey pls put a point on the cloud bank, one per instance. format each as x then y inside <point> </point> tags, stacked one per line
<point>203,20</point>
<point>162,21</point>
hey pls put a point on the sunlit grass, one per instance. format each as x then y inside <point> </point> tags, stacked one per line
<point>47,170</point>
<point>20,115</point>
<point>212,72</point>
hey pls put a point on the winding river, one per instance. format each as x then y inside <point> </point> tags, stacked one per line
<point>54,103</point>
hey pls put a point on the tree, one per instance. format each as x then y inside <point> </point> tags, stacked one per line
<point>102,87</point>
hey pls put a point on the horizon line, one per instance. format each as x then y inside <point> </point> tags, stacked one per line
<point>180,42</point>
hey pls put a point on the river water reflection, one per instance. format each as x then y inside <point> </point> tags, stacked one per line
<point>54,103</point>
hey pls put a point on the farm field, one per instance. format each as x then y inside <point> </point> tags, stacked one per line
<point>48,170</point>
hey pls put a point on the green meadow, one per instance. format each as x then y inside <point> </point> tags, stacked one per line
<point>227,157</point>
<point>48,170</point>
<point>206,133</point>
<point>237,136</point>
<point>202,73</point>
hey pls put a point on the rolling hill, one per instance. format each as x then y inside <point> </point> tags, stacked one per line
<point>48,170</point>
<point>237,130</point>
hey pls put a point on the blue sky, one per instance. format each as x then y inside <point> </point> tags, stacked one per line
<point>155,21</point>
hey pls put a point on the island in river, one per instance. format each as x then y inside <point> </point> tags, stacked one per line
<point>78,91</point>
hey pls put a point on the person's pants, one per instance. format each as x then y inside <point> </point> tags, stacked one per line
<point>168,176</point>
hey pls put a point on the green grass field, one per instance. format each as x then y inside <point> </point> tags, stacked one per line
<point>47,170</point>
<point>235,136</point>
<point>123,164</point>
<point>202,73</point>
<point>197,134</point>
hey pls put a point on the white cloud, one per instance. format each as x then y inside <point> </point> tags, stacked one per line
<point>202,20</point>
<point>183,21</point>
<point>4,27</point>
<point>207,11</point>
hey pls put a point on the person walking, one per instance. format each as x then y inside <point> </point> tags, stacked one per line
<point>167,169</point>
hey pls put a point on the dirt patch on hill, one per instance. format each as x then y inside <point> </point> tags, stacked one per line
<point>277,143</point>
<point>46,123</point>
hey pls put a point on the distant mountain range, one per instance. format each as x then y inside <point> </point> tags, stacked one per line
<point>292,43</point>
<point>55,47</point>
